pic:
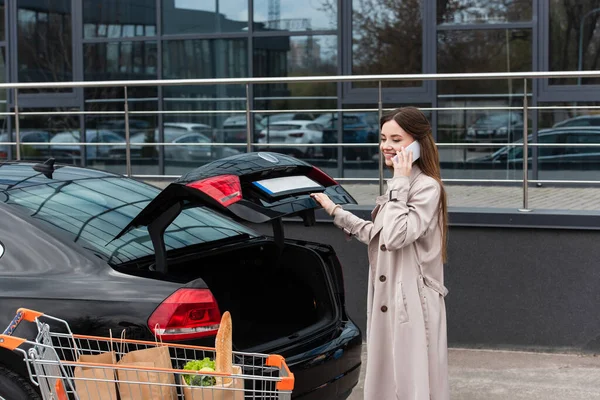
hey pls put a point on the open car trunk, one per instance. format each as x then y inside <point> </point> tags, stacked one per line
<point>291,292</point>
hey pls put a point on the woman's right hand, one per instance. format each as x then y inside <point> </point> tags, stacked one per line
<point>325,202</point>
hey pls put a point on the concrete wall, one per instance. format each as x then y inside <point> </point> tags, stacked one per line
<point>516,283</point>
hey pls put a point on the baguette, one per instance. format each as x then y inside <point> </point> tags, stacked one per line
<point>224,348</point>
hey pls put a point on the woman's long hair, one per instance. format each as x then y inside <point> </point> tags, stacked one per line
<point>414,122</point>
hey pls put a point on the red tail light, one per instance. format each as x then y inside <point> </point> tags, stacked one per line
<point>297,135</point>
<point>186,314</point>
<point>321,177</point>
<point>261,135</point>
<point>226,189</point>
<point>3,154</point>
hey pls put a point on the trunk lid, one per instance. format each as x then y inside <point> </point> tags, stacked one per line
<point>256,187</point>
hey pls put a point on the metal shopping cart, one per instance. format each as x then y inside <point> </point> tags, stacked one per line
<point>68,366</point>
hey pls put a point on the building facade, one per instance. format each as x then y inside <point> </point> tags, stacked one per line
<point>87,40</point>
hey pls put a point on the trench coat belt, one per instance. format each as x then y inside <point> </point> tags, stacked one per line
<point>435,285</point>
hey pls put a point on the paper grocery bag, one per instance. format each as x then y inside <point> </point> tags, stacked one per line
<point>140,387</point>
<point>96,390</point>
<point>222,391</point>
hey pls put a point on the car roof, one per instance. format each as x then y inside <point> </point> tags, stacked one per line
<point>19,174</point>
<point>293,122</point>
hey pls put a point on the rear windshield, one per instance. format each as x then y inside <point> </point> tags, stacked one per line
<point>93,211</point>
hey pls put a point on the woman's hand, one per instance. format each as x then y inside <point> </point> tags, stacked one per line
<point>403,166</point>
<point>325,202</point>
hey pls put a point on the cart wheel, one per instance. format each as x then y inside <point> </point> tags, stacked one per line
<point>14,387</point>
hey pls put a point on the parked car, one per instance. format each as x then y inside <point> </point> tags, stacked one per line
<point>496,128</point>
<point>356,128</point>
<point>28,151</point>
<point>105,252</point>
<point>271,118</point>
<point>581,121</point>
<point>190,127</point>
<point>293,132</point>
<point>235,129</point>
<point>185,151</point>
<point>560,154</point>
<point>72,152</point>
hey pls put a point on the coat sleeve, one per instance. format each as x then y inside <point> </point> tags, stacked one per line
<point>353,225</point>
<point>406,219</point>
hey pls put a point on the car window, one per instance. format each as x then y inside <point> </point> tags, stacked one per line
<point>578,122</point>
<point>583,138</point>
<point>111,138</point>
<point>314,127</point>
<point>93,211</point>
<point>351,120</point>
<point>551,138</point>
<point>284,127</point>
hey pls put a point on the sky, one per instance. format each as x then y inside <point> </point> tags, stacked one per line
<point>238,10</point>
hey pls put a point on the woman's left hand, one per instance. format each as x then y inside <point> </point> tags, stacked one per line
<point>404,164</point>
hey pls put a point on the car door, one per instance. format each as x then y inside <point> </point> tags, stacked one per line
<point>255,187</point>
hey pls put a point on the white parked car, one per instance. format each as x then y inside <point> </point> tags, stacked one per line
<point>293,132</point>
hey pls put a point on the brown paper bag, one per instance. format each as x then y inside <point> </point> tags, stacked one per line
<point>95,390</point>
<point>154,357</point>
<point>223,391</point>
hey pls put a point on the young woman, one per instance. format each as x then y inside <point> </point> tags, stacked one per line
<point>406,314</point>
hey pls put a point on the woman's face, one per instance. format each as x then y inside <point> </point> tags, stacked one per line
<point>393,138</point>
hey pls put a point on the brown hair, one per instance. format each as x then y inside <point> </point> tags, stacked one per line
<point>414,122</point>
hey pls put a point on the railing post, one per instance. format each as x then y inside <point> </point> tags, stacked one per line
<point>17,130</point>
<point>248,120</point>
<point>380,106</point>
<point>525,151</point>
<point>127,141</point>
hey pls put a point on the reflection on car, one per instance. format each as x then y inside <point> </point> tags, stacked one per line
<point>560,148</point>
<point>185,146</point>
<point>496,128</point>
<point>296,133</point>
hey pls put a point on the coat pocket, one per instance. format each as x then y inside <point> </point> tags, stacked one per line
<point>401,307</point>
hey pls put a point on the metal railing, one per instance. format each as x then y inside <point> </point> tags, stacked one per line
<point>248,111</point>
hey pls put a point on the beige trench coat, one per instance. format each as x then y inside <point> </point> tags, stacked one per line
<point>406,314</point>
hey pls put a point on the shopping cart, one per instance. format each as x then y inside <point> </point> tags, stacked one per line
<point>68,366</point>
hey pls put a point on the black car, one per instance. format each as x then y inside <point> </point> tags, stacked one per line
<point>103,251</point>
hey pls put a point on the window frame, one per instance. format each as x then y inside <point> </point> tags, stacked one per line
<point>556,93</point>
<point>420,94</point>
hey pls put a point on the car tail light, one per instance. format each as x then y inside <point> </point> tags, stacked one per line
<point>3,154</point>
<point>321,177</point>
<point>297,135</point>
<point>226,189</point>
<point>261,135</point>
<point>186,314</point>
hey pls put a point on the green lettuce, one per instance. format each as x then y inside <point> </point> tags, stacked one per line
<point>199,380</point>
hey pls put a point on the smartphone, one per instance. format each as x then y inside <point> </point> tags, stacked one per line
<point>415,148</point>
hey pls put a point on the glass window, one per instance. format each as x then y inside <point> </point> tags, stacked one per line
<point>295,56</point>
<point>483,12</point>
<point>125,17</point>
<point>196,16</point>
<point>387,38</point>
<point>205,58</point>
<point>120,60</point>
<point>94,211</point>
<point>574,39</point>
<point>293,15</point>
<point>507,50</point>
<point>44,42</point>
